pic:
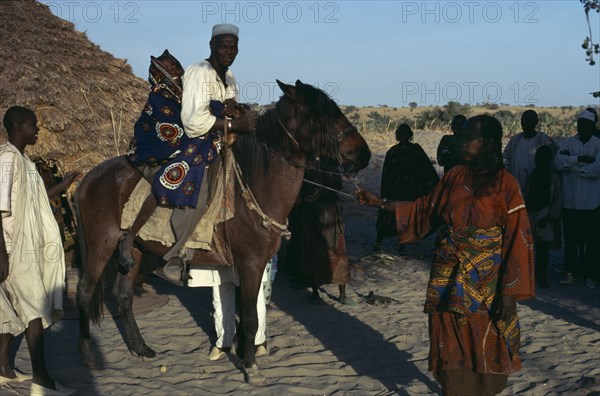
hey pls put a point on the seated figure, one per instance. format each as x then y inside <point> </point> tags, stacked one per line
<point>171,161</point>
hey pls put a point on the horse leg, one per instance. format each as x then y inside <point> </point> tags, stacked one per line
<point>123,292</point>
<point>249,285</point>
<point>126,259</point>
<point>85,290</point>
<point>89,302</point>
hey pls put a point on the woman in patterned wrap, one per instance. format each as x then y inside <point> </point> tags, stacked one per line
<point>483,264</point>
<point>170,160</point>
<point>173,162</point>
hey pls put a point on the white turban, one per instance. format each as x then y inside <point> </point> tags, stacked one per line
<point>225,28</point>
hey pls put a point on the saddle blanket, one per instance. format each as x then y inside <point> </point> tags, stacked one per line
<point>158,228</point>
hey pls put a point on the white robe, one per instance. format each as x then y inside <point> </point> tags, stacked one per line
<point>36,278</point>
<point>201,84</point>
<point>519,156</point>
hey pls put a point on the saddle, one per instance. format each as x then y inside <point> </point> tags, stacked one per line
<point>220,208</point>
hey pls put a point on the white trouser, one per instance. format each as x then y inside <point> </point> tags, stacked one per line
<point>224,315</point>
<point>268,278</point>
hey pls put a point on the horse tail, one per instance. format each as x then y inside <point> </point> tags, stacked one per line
<point>95,309</point>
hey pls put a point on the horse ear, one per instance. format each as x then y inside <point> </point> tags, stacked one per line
<point>288,90</point>
<point>299,83</point>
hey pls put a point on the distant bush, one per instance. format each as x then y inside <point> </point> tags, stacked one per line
<point>440,117</point>
<point>455,108</point>
<point>376,122</point>
<point>432,119</point>
<point>555,126</point>
<point>349,109</point>
<point>511,123</point>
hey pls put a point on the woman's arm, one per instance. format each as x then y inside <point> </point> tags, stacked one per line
<point>414,219</point>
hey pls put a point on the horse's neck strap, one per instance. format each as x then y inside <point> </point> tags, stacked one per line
<point>253,205</point>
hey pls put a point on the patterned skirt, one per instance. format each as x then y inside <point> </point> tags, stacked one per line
<point>468,349</point>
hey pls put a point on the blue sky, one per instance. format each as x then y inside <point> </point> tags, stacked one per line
<point>367,53</point>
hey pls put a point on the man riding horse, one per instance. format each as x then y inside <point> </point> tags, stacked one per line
<point>177,137</point>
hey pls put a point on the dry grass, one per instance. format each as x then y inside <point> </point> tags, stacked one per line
<point>85,99</point>
<point>565,117</point>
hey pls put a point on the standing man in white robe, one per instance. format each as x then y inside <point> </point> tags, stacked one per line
<point>519,154</point>
<point>32,263</point>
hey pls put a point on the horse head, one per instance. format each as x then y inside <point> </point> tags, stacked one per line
<point>315,123</point>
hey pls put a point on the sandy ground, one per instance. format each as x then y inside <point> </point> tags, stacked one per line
<point>329,349</point>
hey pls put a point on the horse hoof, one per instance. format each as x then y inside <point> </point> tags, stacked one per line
<point>91,364</point>
<point>145,351</point>
<point>87,356</point>
<point>254,376</point>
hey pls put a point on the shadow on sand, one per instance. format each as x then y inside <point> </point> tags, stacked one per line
<point>373,357</point>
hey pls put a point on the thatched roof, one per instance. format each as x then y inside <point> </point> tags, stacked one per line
<point>85,99</point>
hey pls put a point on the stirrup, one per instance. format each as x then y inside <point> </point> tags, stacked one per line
<point>179,280</point>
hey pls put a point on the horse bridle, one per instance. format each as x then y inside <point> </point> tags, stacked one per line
<point>341,135</point>
<point>252,203</point>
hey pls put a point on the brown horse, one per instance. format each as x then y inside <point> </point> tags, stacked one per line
<point>304,125</point>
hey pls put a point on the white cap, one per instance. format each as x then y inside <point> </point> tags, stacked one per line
<point>587,115</point>
<point>225,28</point>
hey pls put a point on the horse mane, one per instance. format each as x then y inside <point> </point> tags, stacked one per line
<point>312,107</point>
<point>251,150</point>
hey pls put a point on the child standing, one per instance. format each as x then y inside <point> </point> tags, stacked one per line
<point>543,203</point>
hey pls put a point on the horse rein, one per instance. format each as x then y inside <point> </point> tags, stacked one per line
<point>328,188</point>
<point>286,130</point>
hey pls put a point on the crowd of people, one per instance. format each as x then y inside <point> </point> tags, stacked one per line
<point>561,185</point>
<point>559,181</point>
<point>496,213</point>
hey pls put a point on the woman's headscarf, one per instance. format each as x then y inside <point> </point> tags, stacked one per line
<point>161,81</point>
